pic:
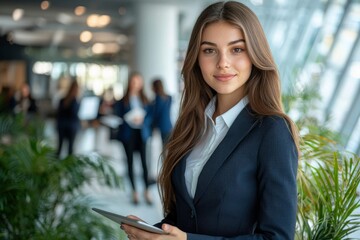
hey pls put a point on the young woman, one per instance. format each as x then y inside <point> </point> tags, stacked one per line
<point>135,130</point>
<point>230,166</point>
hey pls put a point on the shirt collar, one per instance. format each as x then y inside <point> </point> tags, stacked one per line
<point>230,115</point>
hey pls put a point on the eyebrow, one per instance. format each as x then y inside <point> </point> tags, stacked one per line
<point>230,43</point>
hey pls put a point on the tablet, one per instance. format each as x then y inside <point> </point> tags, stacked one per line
<point>135,223</point>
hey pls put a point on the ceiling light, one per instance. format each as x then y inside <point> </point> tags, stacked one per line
<point>85,36</point>
<point>104,20</point>
<point>79,10</point>
<point>98,48</point>
<point>111,48</point>
<point>17,14</point>
<point>92,20</point>
<point>101,48</point>
<point>45,5</point>
<point>95,20</point>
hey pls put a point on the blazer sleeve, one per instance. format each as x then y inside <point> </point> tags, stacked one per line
<point>277,171</point>
<point>169,219</point>
<point>277,189</point>
<point>118,108</point>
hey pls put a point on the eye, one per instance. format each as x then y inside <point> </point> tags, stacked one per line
<point>238,50</point>
<point>208,50</point>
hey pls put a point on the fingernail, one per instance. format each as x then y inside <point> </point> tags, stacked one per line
<point>166,227</point>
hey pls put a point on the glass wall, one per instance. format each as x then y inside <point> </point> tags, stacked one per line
<point>316,44</point>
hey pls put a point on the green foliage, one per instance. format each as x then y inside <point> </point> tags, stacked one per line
<point>328,177</point>
<point>40,195</point>
<point>327,193</point>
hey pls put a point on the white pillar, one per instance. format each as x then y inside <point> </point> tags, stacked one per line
<point>156,44</point>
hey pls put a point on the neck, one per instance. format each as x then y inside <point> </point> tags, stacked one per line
<point>225,102</point>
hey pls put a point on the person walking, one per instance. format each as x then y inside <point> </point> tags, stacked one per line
<point>67,119</point>
<point>135,130</point>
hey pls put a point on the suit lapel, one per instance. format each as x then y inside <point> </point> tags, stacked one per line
<point>179,180</point>
<point>238,130</point>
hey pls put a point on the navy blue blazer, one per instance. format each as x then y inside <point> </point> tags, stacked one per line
<point>161,113</point>
<point>124,133</point>
<point>67,116</point>
<point>247,190</point>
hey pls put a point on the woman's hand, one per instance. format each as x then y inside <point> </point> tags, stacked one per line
<point>134,233</point>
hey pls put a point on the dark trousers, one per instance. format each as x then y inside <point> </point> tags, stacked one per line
<point>68,134</point>
<point>134,144</point>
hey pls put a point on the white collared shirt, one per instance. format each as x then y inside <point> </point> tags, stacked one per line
<point>214,133</point>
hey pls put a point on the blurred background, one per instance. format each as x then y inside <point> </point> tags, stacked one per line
<point>315,43</point>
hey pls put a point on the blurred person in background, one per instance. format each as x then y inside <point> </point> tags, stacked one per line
<point>161,110</point>
<point>67,119</point>
<point>135,130</point>
<point>25,103</point>
<point>107,101</point>
<point>104,115</point>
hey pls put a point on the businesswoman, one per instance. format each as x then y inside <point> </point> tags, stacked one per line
<point>135,130</point>
<point>230,166</point>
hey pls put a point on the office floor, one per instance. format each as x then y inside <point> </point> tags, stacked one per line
<point>91,140</point>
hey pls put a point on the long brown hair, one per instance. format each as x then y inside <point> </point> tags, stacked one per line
<point>72,92</point>
<point>263,87</point>
<point>158,88</point>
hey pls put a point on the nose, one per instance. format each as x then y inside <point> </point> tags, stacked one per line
<point>223,61</point>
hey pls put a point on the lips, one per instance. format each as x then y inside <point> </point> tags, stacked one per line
<point>224,77</point>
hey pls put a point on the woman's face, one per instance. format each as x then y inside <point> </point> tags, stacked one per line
<point>136,83</point>
<point>223,59</point>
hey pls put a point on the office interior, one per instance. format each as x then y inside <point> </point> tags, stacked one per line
<point>316,44</point>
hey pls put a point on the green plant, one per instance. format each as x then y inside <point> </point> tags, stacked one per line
<point>40,195</point>
<point>328,177</point>
<point>327,182</point>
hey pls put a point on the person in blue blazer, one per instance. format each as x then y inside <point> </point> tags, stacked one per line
<point>135,130</point>
<point>161,112</point>
<point>230,167</point>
